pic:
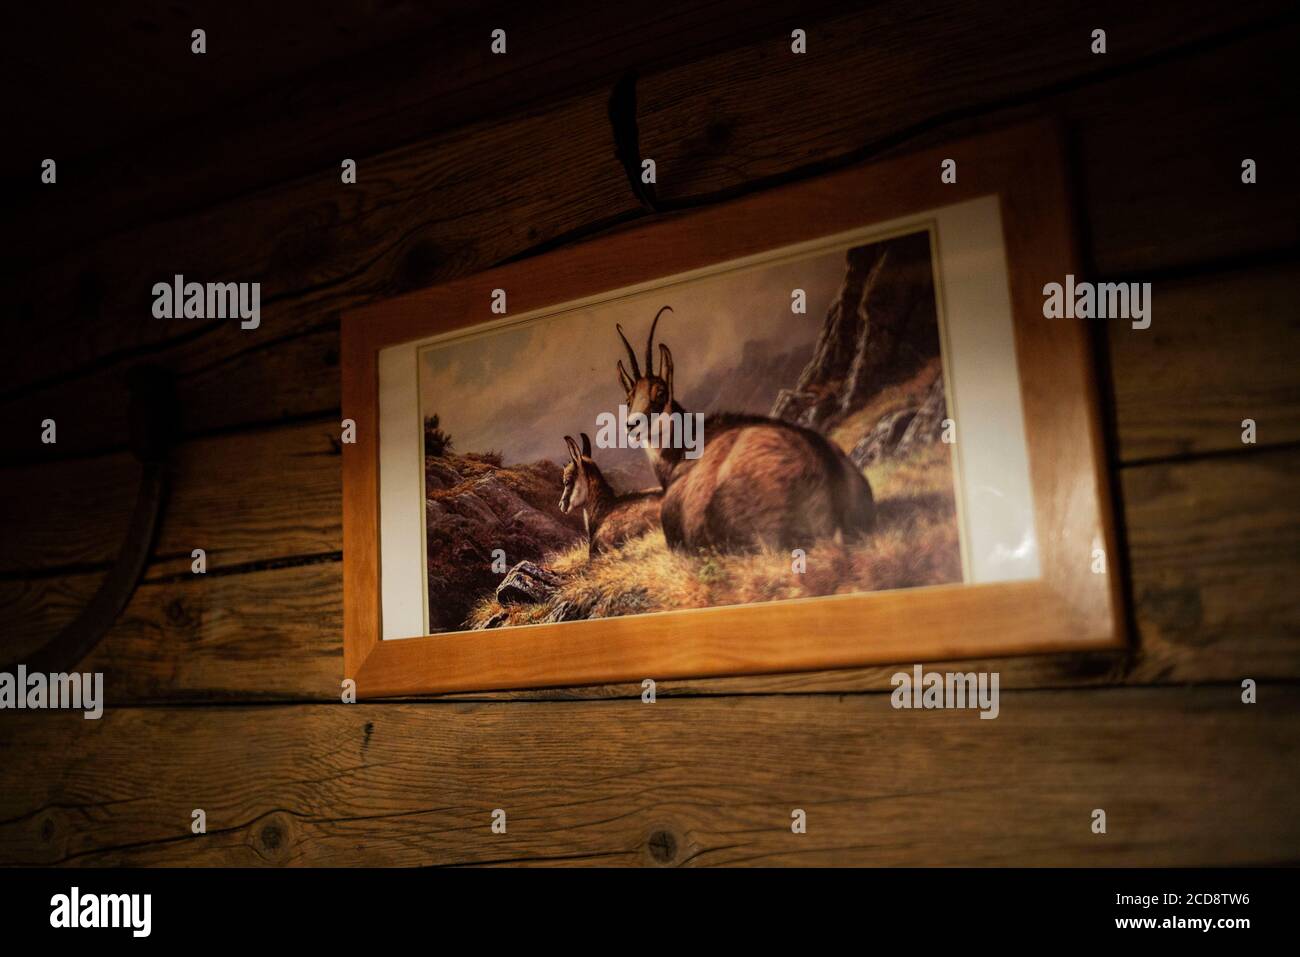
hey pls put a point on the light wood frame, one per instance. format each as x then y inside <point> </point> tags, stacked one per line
<point>1070,608</point>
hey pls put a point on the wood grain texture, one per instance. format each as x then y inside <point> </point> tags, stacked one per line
<point>273,633</point>
<point>252,496</point>
<point>355,81</point>
<point>1220,349</point>
<point>125,78</point>
<point>1186,776</point>
<point>1147,138</point>
<point>1183,203</point>
<point>317,247</point>
<point>1214,550</point>
<point>361,556</point>
<point>431,212</point>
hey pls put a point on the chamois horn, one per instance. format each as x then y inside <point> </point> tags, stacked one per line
<point>631,353</point>
<point>649,343</point>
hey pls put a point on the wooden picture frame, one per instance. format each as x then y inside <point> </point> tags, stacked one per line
<point>1070,607</point>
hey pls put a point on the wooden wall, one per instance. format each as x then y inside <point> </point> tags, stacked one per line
<point>223,689</point>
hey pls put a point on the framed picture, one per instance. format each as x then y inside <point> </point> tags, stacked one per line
<point>825,426</point>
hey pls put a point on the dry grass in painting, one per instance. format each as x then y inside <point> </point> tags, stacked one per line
<point>915,543</point>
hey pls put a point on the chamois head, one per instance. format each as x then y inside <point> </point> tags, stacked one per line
<point>575,474</point>
<point>647,393</point>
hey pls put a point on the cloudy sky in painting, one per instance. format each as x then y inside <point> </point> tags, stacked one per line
<point>519,389</point>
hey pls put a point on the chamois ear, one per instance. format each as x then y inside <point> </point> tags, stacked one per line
<point>624,378</point>
<point>586,445</point>
<point>573,448</point>
<point>666,369</point>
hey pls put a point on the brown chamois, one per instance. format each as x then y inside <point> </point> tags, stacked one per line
<point>610,519</point>
<point>757,481</point>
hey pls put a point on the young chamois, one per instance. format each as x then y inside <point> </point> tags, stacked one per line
<point>610,519</point>
<point>757,481</point>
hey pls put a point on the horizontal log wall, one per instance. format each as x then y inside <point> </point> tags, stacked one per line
<point>1157,127</point>
<point>1187,776</point>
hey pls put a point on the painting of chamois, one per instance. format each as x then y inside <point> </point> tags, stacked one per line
<point>611,519</point>
<point>758,481</point>
<point>778,430</point>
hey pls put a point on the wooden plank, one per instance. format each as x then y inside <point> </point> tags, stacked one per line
<point>699,783</point>
<point>156,81</point>
<point>1215,553</point>
<point>353,83</point>
<point>273,633</point>
<point>432,212</point>
<point>416,216</point>
<point>1221,109</point>
<point>1148,140</point>
<point>1214,549</point>
<point>248,497</point>
<point>1220,349</point>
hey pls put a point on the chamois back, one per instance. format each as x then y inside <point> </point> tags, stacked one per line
<point>764,482</point>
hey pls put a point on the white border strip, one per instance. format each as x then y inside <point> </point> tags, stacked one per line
<point>983,386</point>
<point>401,505</point>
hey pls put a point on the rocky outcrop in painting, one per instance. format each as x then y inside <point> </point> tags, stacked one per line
<point>880,330</point>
